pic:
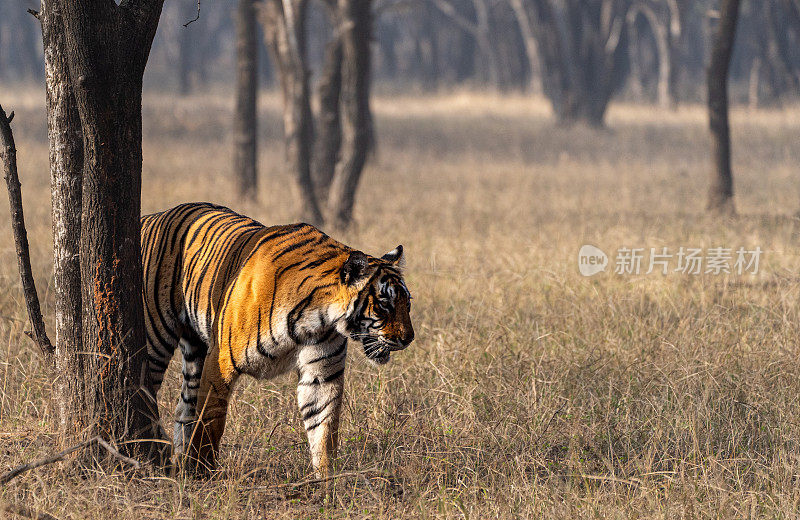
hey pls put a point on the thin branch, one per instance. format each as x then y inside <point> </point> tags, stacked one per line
<point>8,154</point>
<point>674,19</point>
<point>117,455</point>
<point>312,481</point>
<point>447,9</point>
<point>294,46</point>
<point>196,17</point>
<point>35,14</point>
<point>396,6</point>
<point>11,474</point>
<point>549,422</point>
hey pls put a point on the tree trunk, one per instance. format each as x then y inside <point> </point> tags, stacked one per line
<point>107,48</point>
<point>752,86</point>
<point>329,127</point>
<point>284,30</point>
<point>581,56</point>
<point>66,169</point>
<point>720,193</point>
<point>555,77</point>
<point>356,116</point>
<point>483,36</point>
<point>779,50</point>
<point>529,41</point>
<point>246,120</point>
<point>635,58</point>
<point>661,37</point>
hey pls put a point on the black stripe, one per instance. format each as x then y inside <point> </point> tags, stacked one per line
<point>259,347</point>
<point>304,280</point>
<point>329,356</point>
<point>318,409</point>
<point>321,260</point>
<point>316,381</point>
<point>230,349</point>
<point>158,363</point>
<point>292,247</point>
<point>320,421</point>
<point>333,377</point>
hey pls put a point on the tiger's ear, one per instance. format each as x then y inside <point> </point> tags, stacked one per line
<point>354,268</point>
<point>396,257</point>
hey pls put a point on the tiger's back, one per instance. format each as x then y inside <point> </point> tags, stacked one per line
<point>192,254</point>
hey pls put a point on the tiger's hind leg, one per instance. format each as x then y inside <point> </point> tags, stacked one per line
<point>193,353</point>
<point>160,349</point>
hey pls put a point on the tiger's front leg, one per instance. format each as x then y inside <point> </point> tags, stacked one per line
<point>319,397</point>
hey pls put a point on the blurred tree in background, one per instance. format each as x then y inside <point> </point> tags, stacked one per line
<point>578,54</point>
<point>502,45</point>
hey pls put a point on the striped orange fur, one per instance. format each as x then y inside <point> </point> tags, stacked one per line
<point>242,298</point>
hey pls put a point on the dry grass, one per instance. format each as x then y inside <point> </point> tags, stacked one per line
<point>530,391</point>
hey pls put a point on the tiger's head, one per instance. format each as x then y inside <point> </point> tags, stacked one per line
<point>378,315</point>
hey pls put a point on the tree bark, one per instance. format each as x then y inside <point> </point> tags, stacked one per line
<point>246,120</point>
<point>720,192</point>
<point>107,46</point>
<point>356,115</point>
<point>66,169</point>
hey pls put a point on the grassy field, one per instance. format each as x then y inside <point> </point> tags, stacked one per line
<point>531,391</point>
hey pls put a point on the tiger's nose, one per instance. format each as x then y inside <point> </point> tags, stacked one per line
<point>406,340</point>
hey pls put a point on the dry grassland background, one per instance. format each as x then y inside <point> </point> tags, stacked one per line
<point>530,391</point>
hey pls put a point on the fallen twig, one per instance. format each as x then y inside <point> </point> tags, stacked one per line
<point>312,481</point>
<point>13,473</point>
<point>547,426</point>
<point>8,153</point>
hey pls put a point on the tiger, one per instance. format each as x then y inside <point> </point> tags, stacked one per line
<point>240,298</point>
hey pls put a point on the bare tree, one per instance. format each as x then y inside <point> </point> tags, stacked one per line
<point>479,29</point>
<point>659,25</point>
<point>8,155</point>
<point>246,119</point>
<point>356,117</point>
<point>285,33</point>
<point>720,192</point>
<point>345,117</point>
<point>107,46</point>
<point>528,38</point>
<point>581,51</point>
